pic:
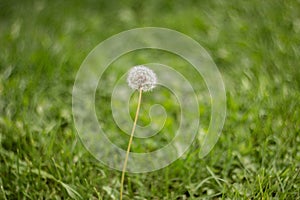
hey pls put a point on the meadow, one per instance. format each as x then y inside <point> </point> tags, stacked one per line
<point>256,46</point>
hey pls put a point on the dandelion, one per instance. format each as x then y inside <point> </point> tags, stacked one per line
<point>142,79</point>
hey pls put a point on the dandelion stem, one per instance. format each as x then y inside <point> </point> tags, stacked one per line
<point>129,143</point>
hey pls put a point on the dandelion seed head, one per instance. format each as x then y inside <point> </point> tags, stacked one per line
<point>141,77</point>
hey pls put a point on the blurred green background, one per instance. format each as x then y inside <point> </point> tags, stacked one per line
<point>256,46</point>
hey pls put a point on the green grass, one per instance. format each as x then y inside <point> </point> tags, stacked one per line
<point>256,46</point>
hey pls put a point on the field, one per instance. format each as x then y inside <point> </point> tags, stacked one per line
<point>256,46</point>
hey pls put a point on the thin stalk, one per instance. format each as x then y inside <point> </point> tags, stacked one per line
<point>129,143</point>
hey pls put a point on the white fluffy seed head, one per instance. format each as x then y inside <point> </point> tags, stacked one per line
<point>141,77</point>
